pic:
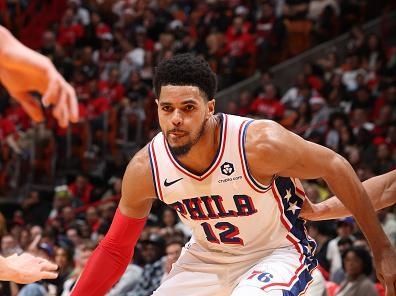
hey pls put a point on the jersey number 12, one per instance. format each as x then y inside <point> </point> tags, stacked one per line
<point>227,236</point>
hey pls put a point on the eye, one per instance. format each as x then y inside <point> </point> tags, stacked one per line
<point>167,108</point>
<point>189,107</point>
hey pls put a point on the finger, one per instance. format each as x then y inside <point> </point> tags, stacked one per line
<point>51,94</point>
<point>72,103</point>
<point>48,275</point>
<point>48,266</point>
<point>31,106</point>
<point>60,110</point>
<point>65,115</point>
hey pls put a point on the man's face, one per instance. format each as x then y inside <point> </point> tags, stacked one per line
<point>150,253</point>
<point>173,252</point>
<point>8,243</point>
<point>183,113</point>
<point>344,229</point>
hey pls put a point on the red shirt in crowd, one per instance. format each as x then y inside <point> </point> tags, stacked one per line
<point>82,193</point>
<point>68,35</point>
<point>97,107</point>
<point>268,108</point>
<point>240,43</point>
<point>7,127</point>
<point>112,91</point>
<point>18,116</point>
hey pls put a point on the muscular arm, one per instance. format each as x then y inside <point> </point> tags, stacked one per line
<point>115,251</point>
<point>271,149</point>
<point>380,189</point>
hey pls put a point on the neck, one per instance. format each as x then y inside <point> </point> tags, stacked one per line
<point>201,155</point>
<point>354,277</point>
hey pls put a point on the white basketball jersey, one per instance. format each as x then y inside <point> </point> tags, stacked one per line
<point>231,214</point>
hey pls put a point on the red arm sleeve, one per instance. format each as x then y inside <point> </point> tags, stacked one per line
<point>110,259</point>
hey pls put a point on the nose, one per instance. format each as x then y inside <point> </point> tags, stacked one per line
<point>177,118</point>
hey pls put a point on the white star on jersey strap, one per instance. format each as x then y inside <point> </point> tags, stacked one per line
<point>288,195</point>
<point>309,248</point>
<point>293,207</point>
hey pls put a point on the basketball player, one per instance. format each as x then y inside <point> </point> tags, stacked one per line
<point>23,70</point>
<point>381,190</point>
<point>234,181</point>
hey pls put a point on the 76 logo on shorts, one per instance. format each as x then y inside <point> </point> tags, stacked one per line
<point>263,277</point>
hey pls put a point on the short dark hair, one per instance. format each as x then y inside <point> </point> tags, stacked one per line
<point>345,241</point>
<point>174,241</point>
<point>185,69</point>
<point>363,255</point>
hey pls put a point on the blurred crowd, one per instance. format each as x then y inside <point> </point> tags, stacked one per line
<point>107,50</point>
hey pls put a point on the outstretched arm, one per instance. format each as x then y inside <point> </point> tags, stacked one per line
<point>23,70</point>
<point>283,153</point>
<point>380,189</point>
<point>26,268</point>
<point>110,259</point>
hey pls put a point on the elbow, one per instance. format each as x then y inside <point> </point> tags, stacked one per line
<point>338,167</point>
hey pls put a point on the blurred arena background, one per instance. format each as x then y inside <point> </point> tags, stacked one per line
<point>325,69</point>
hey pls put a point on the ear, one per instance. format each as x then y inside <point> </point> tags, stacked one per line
<point>211,107</point>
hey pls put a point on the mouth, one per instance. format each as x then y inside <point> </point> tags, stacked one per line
<point>177,134</point>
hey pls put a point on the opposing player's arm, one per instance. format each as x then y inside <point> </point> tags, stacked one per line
<point>26,268</point>
<point>380,189</point>
<point>112,256</point>
<point>23,70</point>
<point>271,149</point>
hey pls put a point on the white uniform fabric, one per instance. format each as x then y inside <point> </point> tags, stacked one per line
<point>239,225</point>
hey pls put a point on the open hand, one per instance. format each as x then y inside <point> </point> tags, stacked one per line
<point>26,268</point>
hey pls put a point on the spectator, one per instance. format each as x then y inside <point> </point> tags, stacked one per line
<point>358,265</point>
<point>70,32</point>
<point>81,189</point>
<point>344,230</point>
<point>321,233</point>
<point>270,32</point>
<point>343,244</point>
<point>9,246</point>
<point>152,253</point>
<point>128,281</point>
<point>35,209</point>
<point>173,250</point>
<point>320,115</point>
<point>81,15</point>
<point>64,259</point>
<point>294,97</point>
<point>83,252</point>
<point>267,104</point>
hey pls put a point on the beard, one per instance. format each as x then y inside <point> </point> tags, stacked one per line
<point>184,149</point>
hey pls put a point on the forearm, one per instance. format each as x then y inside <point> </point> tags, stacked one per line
<point>344,183</point>
<point>380,189</point>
